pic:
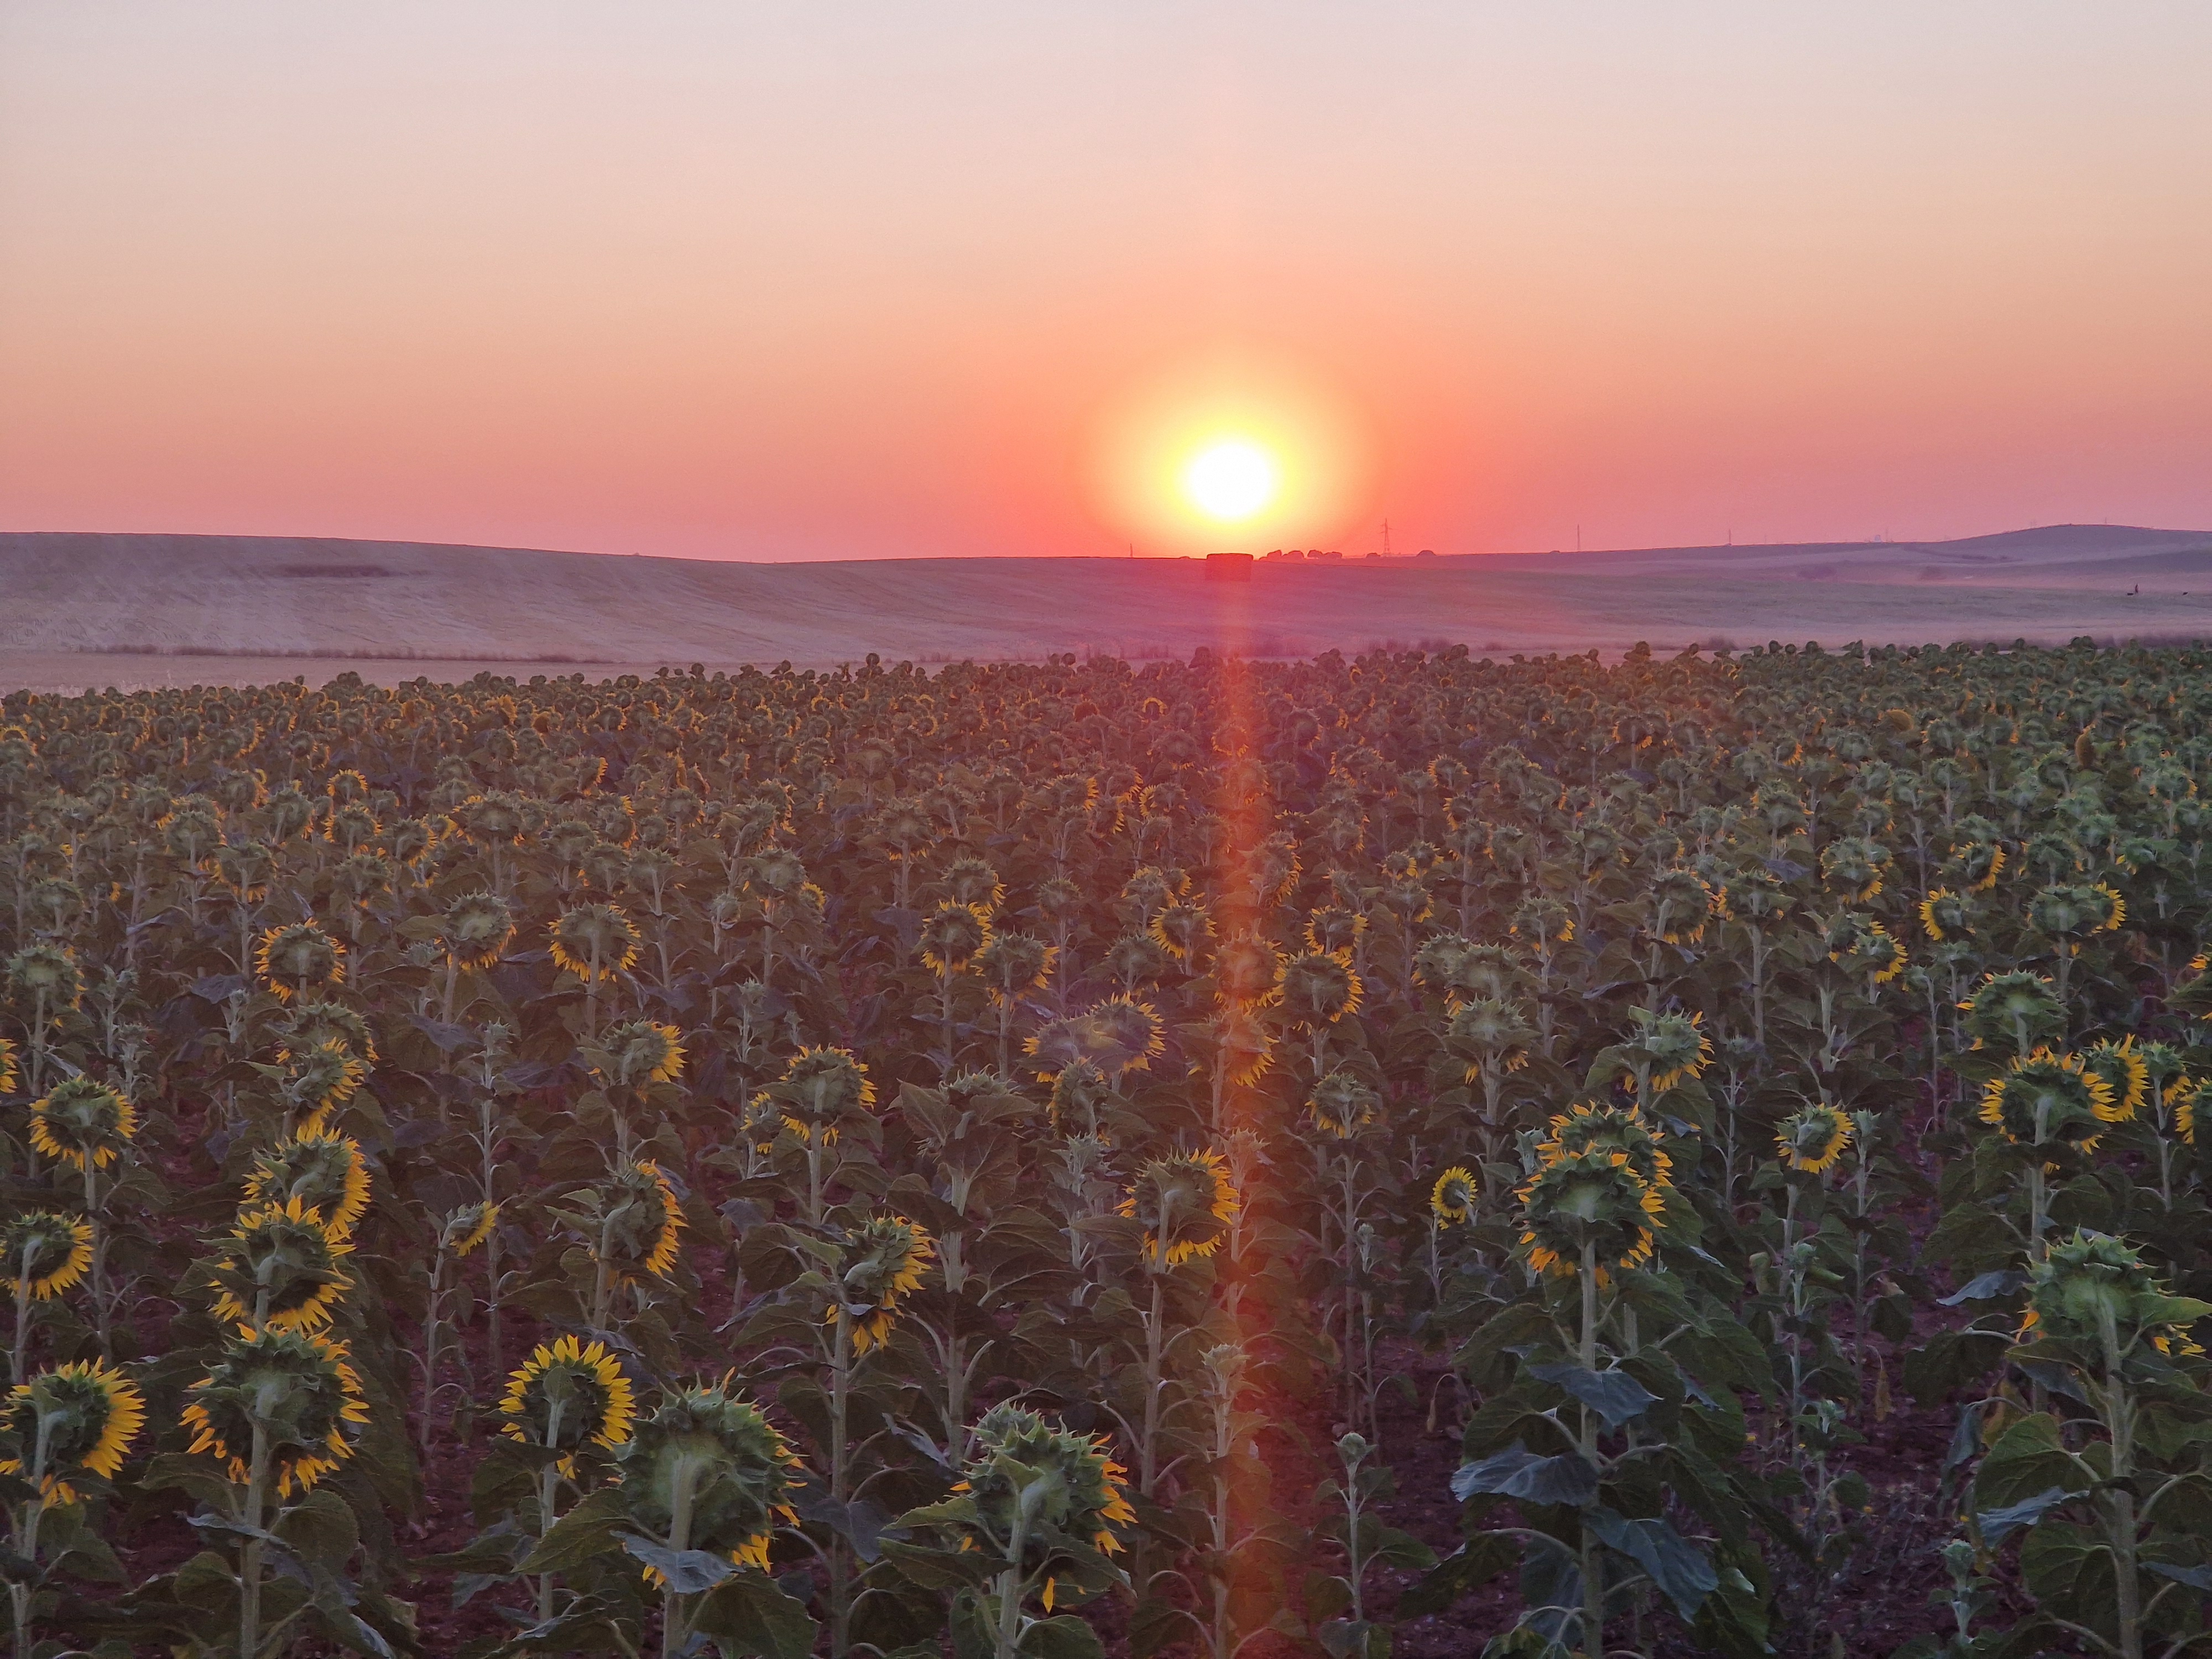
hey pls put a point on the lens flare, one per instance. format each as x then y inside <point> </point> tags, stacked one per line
<point>1230,480</point>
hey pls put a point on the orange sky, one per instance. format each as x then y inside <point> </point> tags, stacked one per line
<point>804,281</point>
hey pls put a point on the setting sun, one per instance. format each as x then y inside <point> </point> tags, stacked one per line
<point>1230,480</point>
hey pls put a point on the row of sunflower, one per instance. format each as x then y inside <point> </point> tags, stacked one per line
<point>938,1145</point>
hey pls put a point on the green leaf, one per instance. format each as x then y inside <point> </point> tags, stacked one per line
<point>1064,1637</point>
<point>1613,1394</point>
<point>1518,1473</point>
<point>688,1572</point>
<point>579,1537</point>
<point>748,1614</point>
<point>1682,1570</point>
<point>1463,1573</point>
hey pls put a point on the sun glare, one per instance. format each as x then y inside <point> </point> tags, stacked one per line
<point>1231,479</point>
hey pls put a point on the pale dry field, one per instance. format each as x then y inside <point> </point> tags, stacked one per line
<point>82,610</point>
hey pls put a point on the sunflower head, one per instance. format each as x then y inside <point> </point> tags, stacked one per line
<point>568,1393</point>
<point>299,1388</point>
<point>67,1423</point>
<point>313,1025</point>
<point>1060,1484</point>
<point>1597,1127</point>
<point>313,1083</point>
<point>594,939</point>
<point>634,1232</point>
<point>1013,964</point>
<point>718,1458</point>
<point>1182,929</point>
<point>1343,1105</point>
<point>1333,927</point>
<point>1674,1047</point>
<point>1852,868</point>
<point>1079,1099</point>
<point>2004,1006</point>
<point>1319,989</point>
<point>886,1257</point>
<point>1680,903</point>
<point>46,1252</point>
<point>1248,969</point>
<point>2096,1296</point>
<point>1187,1204</point>
<point>1944,914</point>
<point>1860,944</point>
<point>281,1266</point>
<point>81,1122</point>
<point>1758,897</point>
<point>2068,913</point>
<point>476,929</point>
<point>2125,1072</point>
<point>1544,921</point>
<point>1590,1202</point>
<point>463,1230</point>
<point>1813,1141</point>
<point>952,936</point>
<point>46,974</point>
<point>325,1172</point>
<point>2049,1101</point>
<point>9,1073</point>
<point>639,1051</point>
<point>1487,1032</point>
<point>299,957</point>
<point>1454,1196</point>
<point>819,1089</point>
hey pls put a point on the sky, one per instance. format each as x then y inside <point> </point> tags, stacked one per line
<point>745,280</point>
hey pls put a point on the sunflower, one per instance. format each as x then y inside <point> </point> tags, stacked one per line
<point>594,940</point>
<point>2048,1100</point>
<point>312,1024</point>
<point>953,936</point>
<point>466,1228</point>
<point>1181,928</point>
<point>1187,1202</point>
<point>1342,1105</point>
<point>1119,1034</point>
<point>476,929</point>
<point>1943,913</point>
<point>1860,944</point>
<point>298,1387</point>
<point>1319,989</point>
<point>885,1260</point>
<point>1590,1202</point>
<point>2017,1009</point>
<point>1333,927</point>
<point>820,1087</point>
<point>1812,1141</point>
<point>2069,914</point>
<point>45,1253</point>
<point>2182,1096</point>
<point>299,957</point>
<point>1487,1032</point>
<point>566,1396</point>
<point>1453,1198</point>
<point>1595,1127</point>
<point>642,1051</point>
<point>713,1457</point>
<point>637,1223</point>
<point>1249,969</point>
<point>1542,918</point>
<point>74,1419</point>
<point>1681,903</point>
<point>1017,1454</point>
<point>1852,868</point>
<point>279,1268</point>
<point>9,1075</point>
<point>324,1171</point>
<point>313,1085</point>
<point>2095,1294</point>
<point>1673,1045</point>
<point>1013,964</point>
<point>2123,1069</point>
<point>80,1119</point>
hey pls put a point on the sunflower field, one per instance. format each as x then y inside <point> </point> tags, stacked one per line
<point>1402,1154</point>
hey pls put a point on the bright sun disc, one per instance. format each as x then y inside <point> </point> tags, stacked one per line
<point>1231,480</point>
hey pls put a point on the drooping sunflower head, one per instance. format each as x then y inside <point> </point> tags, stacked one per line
<point>886,1257</point>
<point>1814,1139</point>
<point>1057,1481</point>
<point>1944,914</point>
<point>568,1393</point>
<point>463,1230</point>
<point>952,936</point>
<point>47,975</point>
<point>2067,913</point>
<point>1594,1125</point>
<point>1674,1047</point>
<point>594,939</point>
<point>1182,928</point>
<point>1124,1034</point>
<point>2005,1007</point>
<point>9,1074</point>
<point>1758,896</point>
<point>46,1252</point>
<point>1976,863</point>
<point>1248,969</point>
<point>1343,1104</point>
<point>1544,921</point>
<point>1013,964</point>
<point>281,1266</point>
<point>2096,1295</point>
<point>89,1415</point>
<point>1454,1196</point>
<point>971,880</point>
<point>1333,927</point>
<point>638,1220</point>
<point>81,1121</point>
<point>715,1454</point>
<point>1852,868</point>
<point>1589,1203</point>
<point>820,1088</point>
<point>299,957</point>
<point>642,1051</point>
<point>1079,1099</point>
<point>324,1172</point>
<point>1487,1032</point>
<point>1319,989</point>
<point>298,1387</point>
<point>2048,1101</point>
<point>1187,1204</point>
<point>1859,944</point>
<point>313,1085</point>
<point>1680,903</point>
<point>2125,1072</point>
<point>476,929</point>
<point>312,1024</point>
